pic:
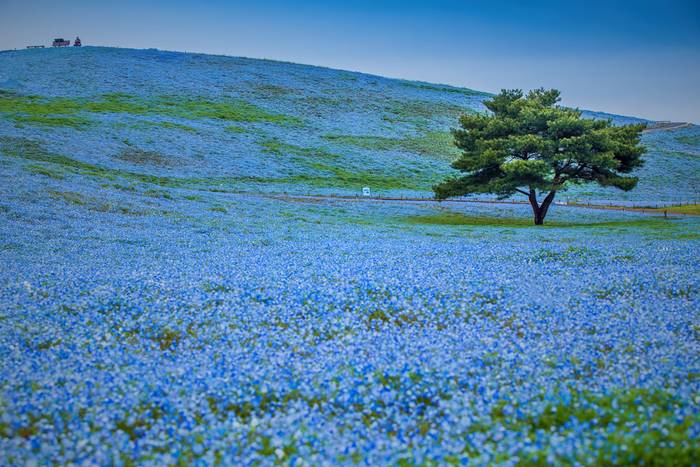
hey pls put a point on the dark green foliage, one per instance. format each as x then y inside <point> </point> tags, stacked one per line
<point>529,144</point>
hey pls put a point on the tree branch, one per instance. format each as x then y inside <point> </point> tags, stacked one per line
<point>522,191</point>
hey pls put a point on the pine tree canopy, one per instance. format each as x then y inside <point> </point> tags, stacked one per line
<point>528,144</point>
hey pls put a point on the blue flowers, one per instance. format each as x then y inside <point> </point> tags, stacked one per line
<point>334,345</point>
<point>139,324</point>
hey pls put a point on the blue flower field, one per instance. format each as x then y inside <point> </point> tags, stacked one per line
<point>170,294</point>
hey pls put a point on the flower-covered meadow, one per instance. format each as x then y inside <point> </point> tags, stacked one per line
<point>162,301</point>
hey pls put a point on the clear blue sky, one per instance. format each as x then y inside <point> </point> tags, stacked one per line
<point>638,57</point>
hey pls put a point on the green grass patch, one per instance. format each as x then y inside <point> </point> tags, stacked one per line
<point>234,110</point>
<point>688,236</point>
<point>420,112</point>
<point>333,176</point>
<point>692,209</point>
<point>272,90</point>
<point>235,129</point>
<point>437,144</point>
<point>453,219</point>
<point>329,176</point>
<point>93,204</point>
<point>666,440</point>
<point>442,88</point>
<point>158,194</point>
<point>356,179</point>
<point>32,151</point>
<point>168,125</point>
<point>456,219</point>
<point>77,123</point>
<point>569,254</point>
<point>141,157</point>
<point>42,109</point>
<point>693,140</point>
<point>37,106</point>
<point>22,148</point>
<point>69,197</point>
<point>277,147</point>
<point>41,170</point>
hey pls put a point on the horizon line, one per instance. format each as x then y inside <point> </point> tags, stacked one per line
<point>396,78</point>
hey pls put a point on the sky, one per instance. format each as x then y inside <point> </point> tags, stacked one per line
<point>638,58</point>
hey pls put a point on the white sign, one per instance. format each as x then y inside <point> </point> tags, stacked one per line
<point>365,191</point>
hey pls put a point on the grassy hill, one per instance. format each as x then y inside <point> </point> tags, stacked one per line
<point>149,316</point>
<point>147,117</point>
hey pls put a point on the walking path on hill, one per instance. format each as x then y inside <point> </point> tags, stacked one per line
<point>665,211</point>
<point>667,126</point>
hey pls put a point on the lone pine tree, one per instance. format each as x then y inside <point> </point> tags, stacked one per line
<point>528,144</point>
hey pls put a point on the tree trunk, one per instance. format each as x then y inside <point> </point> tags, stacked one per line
<point>540,210</point>
<point>539,217</point>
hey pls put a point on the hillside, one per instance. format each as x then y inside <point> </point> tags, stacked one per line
<point>163,303</point>
<point>145,118</point>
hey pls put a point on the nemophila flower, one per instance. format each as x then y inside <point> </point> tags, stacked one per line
<point>167,332</point>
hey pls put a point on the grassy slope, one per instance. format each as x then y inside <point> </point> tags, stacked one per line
<point>253,125</point>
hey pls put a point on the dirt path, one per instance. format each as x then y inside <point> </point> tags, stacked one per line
<point>667,126</point>
<point>657,211</point>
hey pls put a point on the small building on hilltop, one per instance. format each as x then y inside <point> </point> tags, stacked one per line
<point>60,42</point>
